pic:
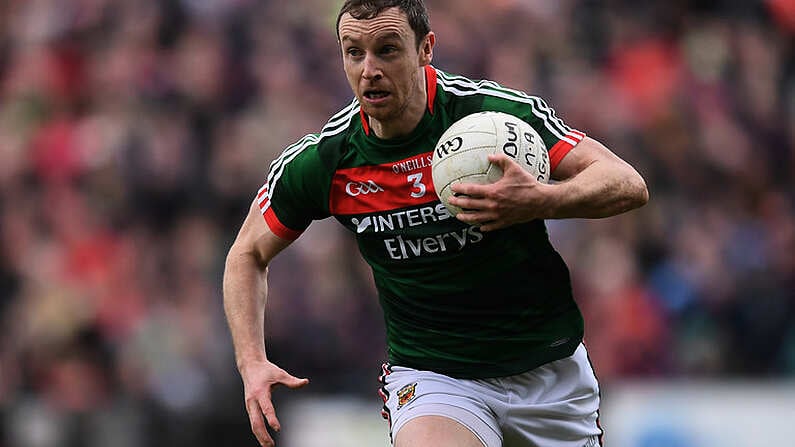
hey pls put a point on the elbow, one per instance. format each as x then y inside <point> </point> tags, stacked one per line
<point>232,257</point>
<point>240,256</point>
<point>632,192</point>
<point>232,263</point>
<point>234,254</point>
<point>640,192</point>
<point>644,195</point>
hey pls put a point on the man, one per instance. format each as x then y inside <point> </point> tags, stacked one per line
<point>484,336</point>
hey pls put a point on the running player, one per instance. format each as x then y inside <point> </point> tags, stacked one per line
<point>484,337</point>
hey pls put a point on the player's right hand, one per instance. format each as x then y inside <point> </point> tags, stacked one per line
<point>259,379</point>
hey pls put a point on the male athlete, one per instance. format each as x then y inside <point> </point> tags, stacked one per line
<point>484,336</point>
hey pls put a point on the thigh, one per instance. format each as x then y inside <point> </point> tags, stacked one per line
<point>435,431</point>
<point>425,408</point>
<point>556,405</point>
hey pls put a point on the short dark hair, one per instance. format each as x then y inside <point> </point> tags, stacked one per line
<point>368,9</point>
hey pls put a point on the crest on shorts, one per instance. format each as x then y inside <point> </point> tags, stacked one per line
<point>406,394</point>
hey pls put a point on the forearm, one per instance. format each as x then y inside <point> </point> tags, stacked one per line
<point>602,189</point>
<point>245,292</point>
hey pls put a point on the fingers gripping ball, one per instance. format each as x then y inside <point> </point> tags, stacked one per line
<point>462,151</point>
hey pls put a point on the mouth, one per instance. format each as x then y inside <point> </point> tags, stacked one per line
<point>375,95</point>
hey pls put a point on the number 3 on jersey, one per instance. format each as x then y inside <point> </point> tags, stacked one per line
<point>418,188</point>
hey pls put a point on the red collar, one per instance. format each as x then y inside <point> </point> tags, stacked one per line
<point>430,89</point>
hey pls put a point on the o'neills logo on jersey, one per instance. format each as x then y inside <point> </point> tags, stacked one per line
<point>413,164</point>
<point>354,189</point>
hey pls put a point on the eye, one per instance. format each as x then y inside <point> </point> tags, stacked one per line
<point>354,52</point>
<point>388,49</point>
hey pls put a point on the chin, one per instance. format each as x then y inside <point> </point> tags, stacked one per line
<point>378,113</point>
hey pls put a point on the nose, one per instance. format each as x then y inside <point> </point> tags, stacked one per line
<point>372,70</point>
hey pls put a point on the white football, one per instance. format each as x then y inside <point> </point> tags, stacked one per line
<point>462,150</point>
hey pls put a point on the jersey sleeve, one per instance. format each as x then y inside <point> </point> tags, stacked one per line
<point>558,137</point>
<point>293,193</point>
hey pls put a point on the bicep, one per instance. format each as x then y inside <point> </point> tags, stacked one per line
<point>584,154</point>
<point>256,238</point>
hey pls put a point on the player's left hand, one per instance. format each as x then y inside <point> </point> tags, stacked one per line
<point>515,198</point>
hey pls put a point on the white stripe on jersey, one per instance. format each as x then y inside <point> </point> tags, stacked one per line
<point>332,122</point>
<point>262,197</point>
<point>336,124</point>
<point>469,84</point>
<point>466,87</point>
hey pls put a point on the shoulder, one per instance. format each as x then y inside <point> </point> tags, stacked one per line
<point>318,147</point>
<point>459,86</point>
<point>343,121</point>
<point>464,95</point>
<point>462,85</point>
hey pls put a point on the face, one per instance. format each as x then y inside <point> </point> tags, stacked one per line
<point>384,66</point>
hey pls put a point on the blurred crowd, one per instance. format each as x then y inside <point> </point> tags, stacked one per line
<point>134,135</point>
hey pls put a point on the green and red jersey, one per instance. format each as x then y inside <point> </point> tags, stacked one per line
<point>456,300</point>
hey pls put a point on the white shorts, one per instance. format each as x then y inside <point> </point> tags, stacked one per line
<point>554,405</point>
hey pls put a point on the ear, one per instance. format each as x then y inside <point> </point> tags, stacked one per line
<point>426,49</point>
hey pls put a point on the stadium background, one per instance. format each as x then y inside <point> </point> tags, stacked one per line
<point>133,135</point>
